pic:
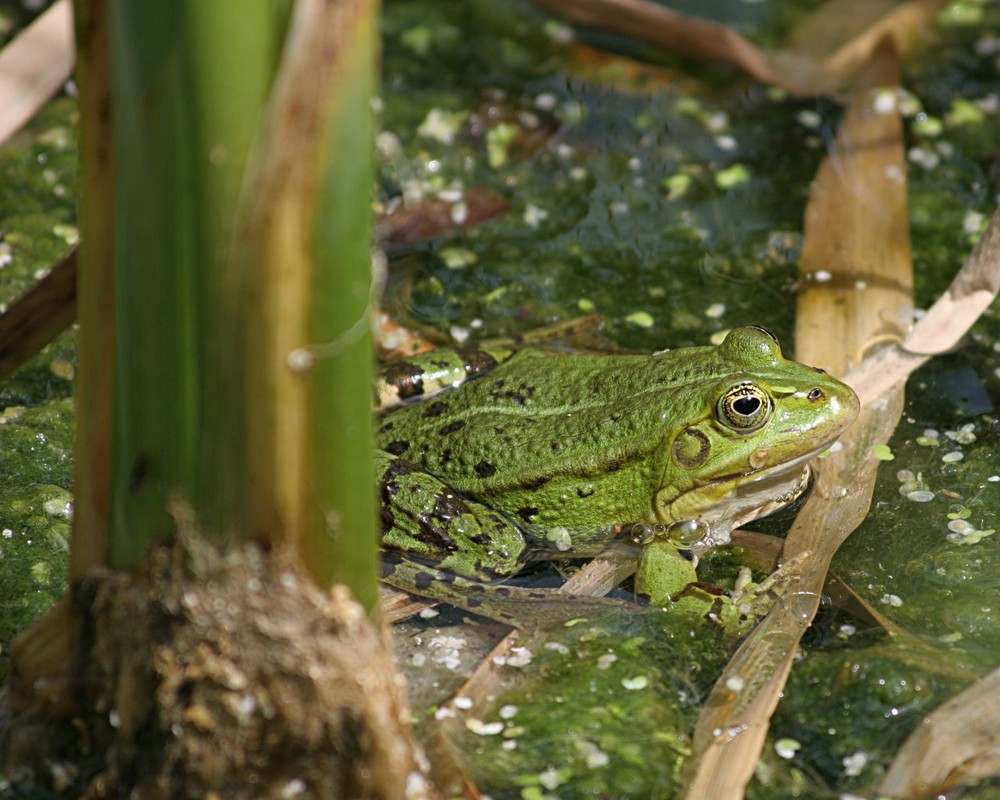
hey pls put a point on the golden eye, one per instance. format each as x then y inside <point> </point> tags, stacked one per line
<point>745,408</point>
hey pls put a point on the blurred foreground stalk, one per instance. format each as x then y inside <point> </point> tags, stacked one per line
<point>223,457</point>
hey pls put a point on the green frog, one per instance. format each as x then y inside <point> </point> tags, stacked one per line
<point>517,455</point>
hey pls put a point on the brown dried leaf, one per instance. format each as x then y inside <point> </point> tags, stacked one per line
<point>38,315</point>
<point>823,56</point>
<point>956,743</point>
<point>971,292</point>
<point>843,33</point>
<point>34,66</point>
<point>434,216</point>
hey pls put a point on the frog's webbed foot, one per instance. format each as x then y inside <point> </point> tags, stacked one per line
<point>758,598</point>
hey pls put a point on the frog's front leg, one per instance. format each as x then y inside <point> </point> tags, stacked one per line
<point>668,578</point>
<point>664,573</point>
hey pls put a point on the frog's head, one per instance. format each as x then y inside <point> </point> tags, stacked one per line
<point>762,418</point>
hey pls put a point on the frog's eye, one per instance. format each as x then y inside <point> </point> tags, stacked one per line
<point>745,408</point>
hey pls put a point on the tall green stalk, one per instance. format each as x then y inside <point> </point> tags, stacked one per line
<point>241,192</point>
<point>189,81</point>
<point>306,249</point>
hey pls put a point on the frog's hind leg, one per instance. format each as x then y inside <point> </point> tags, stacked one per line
<point>423,516</point>
<point>440,545</point>
<point>518,606</point>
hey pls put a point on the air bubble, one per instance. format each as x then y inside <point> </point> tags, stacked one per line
<point>689,532</point>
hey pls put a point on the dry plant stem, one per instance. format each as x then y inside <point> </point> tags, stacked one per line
<point>679,33</point>
<point>824,55</point>
<point>858,202</point>
<point>955,744</point>
<point>970,294</point>
<point>36,317</point>
<point>34,66</point>
<point>94,296</point>
<point>844,33</point>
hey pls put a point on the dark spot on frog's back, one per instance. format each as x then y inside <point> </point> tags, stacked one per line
<point>527,512</point>
<point>477,361</point>
<point>397,448</point>
<point>423,580</point>
<point>435,409</point>
<point>615,464</point>
<point>535,483</point>
<point>448,507</point>
<point>433,530</point>
<point>407,378</point>
<point>519,395</point>
<point>451,427</point>
<point>398,467</point>
<point>484,469</point>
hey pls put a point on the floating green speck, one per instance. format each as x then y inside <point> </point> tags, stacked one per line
<point>882,452</point>
<point>68,233</point>
<point>418,39</point>
<point>732,176</point>
<point>964,112</point>
<point>457,257</point>
<point>442,125</point>
<point>641,318</point>
<point>498,141</point>
<point>676,185</point>
<point>930,127</point>
<point>636,683</point>
<point>787,748</point>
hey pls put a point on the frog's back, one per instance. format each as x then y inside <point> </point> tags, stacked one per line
<point>554,420</point>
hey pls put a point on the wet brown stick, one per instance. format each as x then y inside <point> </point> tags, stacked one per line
<point>39,315</point>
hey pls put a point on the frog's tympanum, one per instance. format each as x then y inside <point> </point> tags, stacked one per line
<point>545,452</point>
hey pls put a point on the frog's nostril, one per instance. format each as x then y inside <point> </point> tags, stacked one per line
<point>815,394</point>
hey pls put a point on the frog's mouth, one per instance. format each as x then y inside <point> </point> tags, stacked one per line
<point>751,495</point>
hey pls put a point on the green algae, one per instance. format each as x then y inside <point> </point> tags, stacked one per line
<point>38,176</point>
<point>596,710</point>
<point>35,512</point>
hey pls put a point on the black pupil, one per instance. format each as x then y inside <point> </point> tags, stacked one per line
<point>746,405</point>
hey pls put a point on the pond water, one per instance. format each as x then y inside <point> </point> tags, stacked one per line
<point>666,196</point>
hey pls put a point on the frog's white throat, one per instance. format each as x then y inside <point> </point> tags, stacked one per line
<point>759,494</point>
